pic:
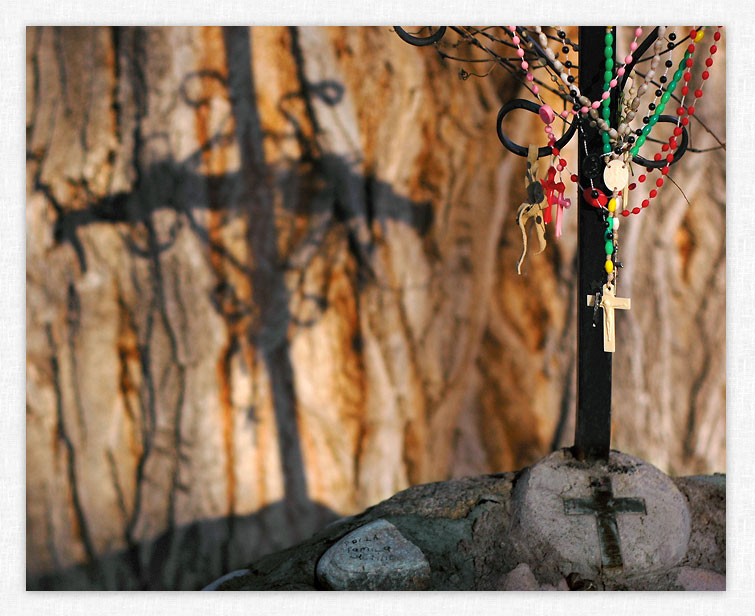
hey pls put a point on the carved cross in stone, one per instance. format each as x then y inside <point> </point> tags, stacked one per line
<point>609,302</point>
<point>604,506</point>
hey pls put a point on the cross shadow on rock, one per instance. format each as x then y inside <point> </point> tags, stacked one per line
<point>325,188</point>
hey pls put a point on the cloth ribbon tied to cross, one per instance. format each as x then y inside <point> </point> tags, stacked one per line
<point>543,196</point>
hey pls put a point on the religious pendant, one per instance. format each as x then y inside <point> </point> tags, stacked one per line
<point>616,177</point>
<point>608,301</point>
<point>533,208</point>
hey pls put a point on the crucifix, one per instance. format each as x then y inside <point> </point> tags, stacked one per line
<point>592,435</point>
<point>608,301</point>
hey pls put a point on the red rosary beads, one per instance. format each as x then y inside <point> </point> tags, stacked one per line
<point>683,119</point>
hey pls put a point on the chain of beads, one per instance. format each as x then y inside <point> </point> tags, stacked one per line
<point>655,109</point>
<point>622,136</point>
<point>583,105</point>
<point>525,65</point>
<point>566,78</point>
<point>624,132</point>
<point>547,115</point>
<point>623,129</point>
<point>609,135</point>
<point>698,93</point>
<point>560,76</point>
<point>683,120</point>
<point>634,103</point>
<point>561,163</point>
<point>633,91</point>
<point>609,82</point>
<point>665,96</point>
<point>546,112</point>
<point>611,236</point>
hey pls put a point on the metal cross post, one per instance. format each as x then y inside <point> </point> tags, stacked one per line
<point>592,435</point>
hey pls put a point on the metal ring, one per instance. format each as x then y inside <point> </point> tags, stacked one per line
<point>657,164</point>
<point>420,41</point>
<point>519,150</point>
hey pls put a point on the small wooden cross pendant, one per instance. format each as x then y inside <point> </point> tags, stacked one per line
<point>609,302</point>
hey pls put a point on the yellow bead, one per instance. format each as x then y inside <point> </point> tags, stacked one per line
<point>612,205</point>
<point>699,36</point>
<point>609,266</point>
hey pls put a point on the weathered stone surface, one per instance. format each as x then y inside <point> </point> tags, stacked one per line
<point>562,585</point>
<point>557,544</point>
<point>706,500</point>
<point>457,524</point>
<point>375,556</point>
<point>521,578</point>
<point>700,579</point>
<point>463,528</point>
<point>227,578</point>
<point>717,479</point>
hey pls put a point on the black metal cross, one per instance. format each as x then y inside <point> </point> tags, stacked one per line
<point>604,506</point>
<point>592,435</point>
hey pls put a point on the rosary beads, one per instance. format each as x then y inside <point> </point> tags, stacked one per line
<point>620,142</point>
<point>683,112</point>
<point>620,139</point>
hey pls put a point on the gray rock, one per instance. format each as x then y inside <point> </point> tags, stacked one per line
<point>700,579</point>
<point>521,578</point>
<point>562,586</point>
<point>707,506</point>
<point>228,576</point>
<point>717,479</point>
<point>375,556</point>
<point>549,532</point>
<point>464,528</point>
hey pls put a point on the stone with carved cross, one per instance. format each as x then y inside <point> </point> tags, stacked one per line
<point>604,521</point>
<point>609,303</point>
<point>605,507</point>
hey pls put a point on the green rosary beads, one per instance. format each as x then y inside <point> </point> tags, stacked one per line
<point>607,77</point>
<point>662,105</point>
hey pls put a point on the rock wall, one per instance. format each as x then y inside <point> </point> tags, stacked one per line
<point>270,282</point>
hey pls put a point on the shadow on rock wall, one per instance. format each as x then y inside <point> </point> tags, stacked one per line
<point>190,557</point>
<point>319,185</point>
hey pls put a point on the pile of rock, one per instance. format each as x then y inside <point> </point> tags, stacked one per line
<point>562,524</point>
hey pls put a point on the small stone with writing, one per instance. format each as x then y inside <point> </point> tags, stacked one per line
<point>375,556</point>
